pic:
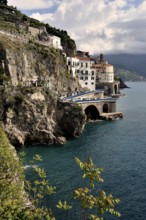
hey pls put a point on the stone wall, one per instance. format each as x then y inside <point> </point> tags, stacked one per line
<point>109,88</point>
<point>99,106</point>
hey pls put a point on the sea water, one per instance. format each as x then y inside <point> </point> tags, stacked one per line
<point>119,147</point>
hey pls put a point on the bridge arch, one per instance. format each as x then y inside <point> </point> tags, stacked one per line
<point>92,112</point>
<point>116,89</point>
<point>105,108</point>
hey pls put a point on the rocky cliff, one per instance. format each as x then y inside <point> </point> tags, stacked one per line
<point>32,78</point>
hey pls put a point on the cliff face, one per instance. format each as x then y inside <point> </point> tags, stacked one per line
<point>25,62</point>
<point>39,118</point>
<point>35,76</point>
<point>71,120</point>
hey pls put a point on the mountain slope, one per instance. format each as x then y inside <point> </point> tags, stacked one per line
<point>131,62</point>
<point>127,75</point>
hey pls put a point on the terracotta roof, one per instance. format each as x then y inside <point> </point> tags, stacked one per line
<point>84,58</point>
<point>102,65</point>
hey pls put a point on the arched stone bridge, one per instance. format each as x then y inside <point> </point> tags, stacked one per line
<point>95,104</point>
<point>95,109</point>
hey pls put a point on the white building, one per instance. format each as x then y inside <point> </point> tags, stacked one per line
<point>90,71</point>
<point>105,72</point>
<point>87,72</point>
<point>83,67</point>
<point>73,65</point>
<point>51,40</point>
<point>107,75</point>
<point>55,42</point>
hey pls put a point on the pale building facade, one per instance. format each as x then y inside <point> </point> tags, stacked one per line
<point>73,65</point>
<point>83,68</point>
<point>52,40</point>
<point>90,71</point>
<point>87,73</point>
<point>55,42</point>
<point>105,73</point>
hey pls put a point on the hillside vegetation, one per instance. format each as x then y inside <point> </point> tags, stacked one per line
<point>14,21</point>
<point>11,180</point>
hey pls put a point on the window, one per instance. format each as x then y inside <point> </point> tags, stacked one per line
<point>86,83</point>
<point>81,78</point>
<point>92,77</point>
<point>92,73</point>
<point>86,64</point>
<point>81,64</point>
<point>92,83</point>
<point>86,78</point>
<point>86,72</point>
<point>81,71</point>
<point>69,63</point>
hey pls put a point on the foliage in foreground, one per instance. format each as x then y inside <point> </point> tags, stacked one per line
<point>14,201</point>
<point>15,204</point>
<point>11,180</point>
<point>99,203</point>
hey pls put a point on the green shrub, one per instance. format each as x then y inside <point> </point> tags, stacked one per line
<point>11,180</point>
<point>1,70</point>
<point>10,101</point>
<point>3,77</point>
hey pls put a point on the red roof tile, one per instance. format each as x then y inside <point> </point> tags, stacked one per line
<point>84,58</point>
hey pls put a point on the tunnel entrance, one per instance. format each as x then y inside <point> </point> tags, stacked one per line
<point>92,112</point>
<point>105,108</point>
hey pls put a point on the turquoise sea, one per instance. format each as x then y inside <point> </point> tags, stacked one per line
<point>119,147</point>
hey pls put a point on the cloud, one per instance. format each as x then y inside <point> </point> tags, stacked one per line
<point>33,4</point>
<point>99,26</point>
<point>43,17</point>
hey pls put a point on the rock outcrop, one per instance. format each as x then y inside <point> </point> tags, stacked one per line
<point>122,84</point>
<point>29,108</point>
<point>26,63</point>
<point>72,120</point>
<point>38,118</point>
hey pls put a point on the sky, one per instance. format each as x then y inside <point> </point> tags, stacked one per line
<point>97,26</point>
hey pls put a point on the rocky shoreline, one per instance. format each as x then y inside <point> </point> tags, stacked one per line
<point>111,116</point>
<point>40,120</point>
